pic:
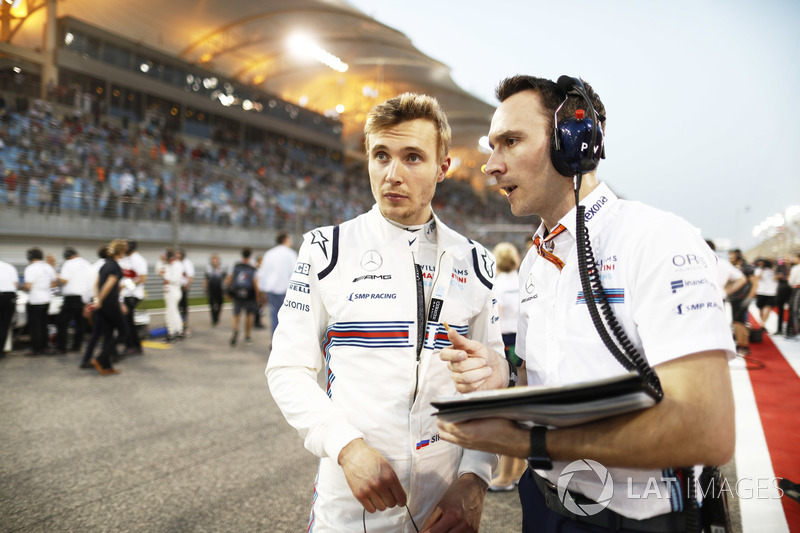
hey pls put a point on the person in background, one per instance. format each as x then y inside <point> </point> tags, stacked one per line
<point>259,314</point>
<point>186,284</point>
<point>276,270</point>
<point>506,286</point>
<point>108,310</point>
<point>729,278</point>
<point>9,280</point>
<point>766,290</point>
<point>76,279</point>
<point>243,282</point>
<point>740,301</point>
<point>794,303</point>
<point>368,302</point>
<point>213,286</point>
<point>39,279</point>
<point>784,292</point>
<point>90,310</point>
<point>172,273</point>
<point>134,270</point>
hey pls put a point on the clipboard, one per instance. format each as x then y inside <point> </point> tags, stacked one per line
<point>552,406</point>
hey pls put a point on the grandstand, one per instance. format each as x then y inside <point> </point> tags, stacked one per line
<point>200,128</point>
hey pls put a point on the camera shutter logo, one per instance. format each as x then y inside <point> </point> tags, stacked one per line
<point>586,509</point>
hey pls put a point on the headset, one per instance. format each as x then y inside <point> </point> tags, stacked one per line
<point>577,143</point>
<point>576,148</point>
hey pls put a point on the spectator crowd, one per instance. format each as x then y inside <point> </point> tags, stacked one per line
<point>78,164</point>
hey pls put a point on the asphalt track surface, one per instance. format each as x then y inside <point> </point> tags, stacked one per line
<point>184,438</point>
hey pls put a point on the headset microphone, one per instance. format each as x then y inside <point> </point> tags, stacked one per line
<point>577,143</point>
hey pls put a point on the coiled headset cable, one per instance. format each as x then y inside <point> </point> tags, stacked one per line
<point>628,356</point>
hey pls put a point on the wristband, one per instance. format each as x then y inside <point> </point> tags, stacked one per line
<point>538,459</point>
<point>513,377</point>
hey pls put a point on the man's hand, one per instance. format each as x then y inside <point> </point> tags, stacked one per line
<point>494,435</point>
<point>459,510</point>
<point>371,478</point>
<point>474,366</point>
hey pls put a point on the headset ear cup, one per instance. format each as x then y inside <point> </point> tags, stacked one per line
<point>557,154</point>
<point>567,156</point>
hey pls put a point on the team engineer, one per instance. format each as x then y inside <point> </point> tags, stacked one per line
<point>666,300</point>
<point>368,300</point>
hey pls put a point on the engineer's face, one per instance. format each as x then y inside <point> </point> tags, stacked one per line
<point>404,170</point>
<point>520,161</point>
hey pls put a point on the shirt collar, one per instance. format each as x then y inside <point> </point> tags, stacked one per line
<point>597,203</point>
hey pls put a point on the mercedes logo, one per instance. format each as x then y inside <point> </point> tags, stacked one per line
<point>371,261</point>
<point>529,287</point>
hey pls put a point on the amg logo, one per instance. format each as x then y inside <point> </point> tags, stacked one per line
<point>373,276</point>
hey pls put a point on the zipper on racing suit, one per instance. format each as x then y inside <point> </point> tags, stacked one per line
<point>422,321</point>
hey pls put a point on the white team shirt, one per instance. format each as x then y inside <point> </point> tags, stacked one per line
<point>9,278</point>
<point>41,276</point>
<point>661,280</point>
<point>173,276</point>
<point>78,273</point>
<point>133,267</point>
<point>276,268</point>
<point>506,286</point>
<point>188,271</point>
<point>794,276</point>
<point>767,284</point>
<point>726,273</point>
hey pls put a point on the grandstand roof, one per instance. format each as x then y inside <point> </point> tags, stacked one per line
<point>247,40</point>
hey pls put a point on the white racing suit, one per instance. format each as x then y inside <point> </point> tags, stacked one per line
<point>352,306</point>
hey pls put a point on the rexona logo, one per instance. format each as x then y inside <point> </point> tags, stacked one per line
<point>593,209</point>
<point>586,509</point>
